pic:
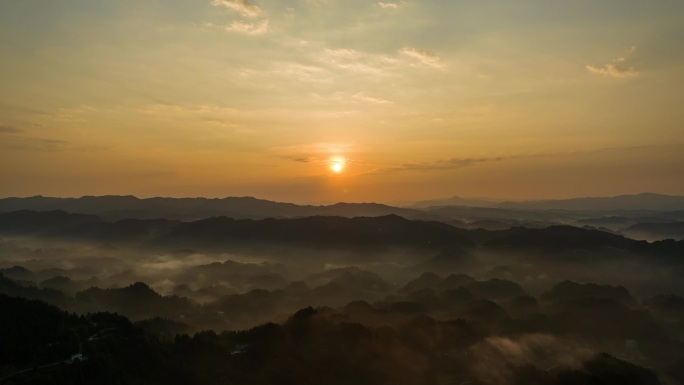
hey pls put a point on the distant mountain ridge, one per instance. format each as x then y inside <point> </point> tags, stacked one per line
<point>115,207</point>
<point>643,201</point>
<point>455,201</point>
<point>317,232</point>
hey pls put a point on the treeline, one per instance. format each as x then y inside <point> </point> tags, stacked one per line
<point>38,343</point>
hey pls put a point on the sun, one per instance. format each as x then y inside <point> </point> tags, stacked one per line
<point>337,165</point>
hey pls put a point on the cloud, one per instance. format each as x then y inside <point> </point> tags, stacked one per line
<point>9,129</point>
<point>242,7</point>
<point>617,68</point>
<point>38,144</point>
<point>379,64</point>
<point>301,72</point>
<point>343,53</point>
<point>189,110</point>
<point>456,163</point>
<point>317,148</point>
<point>447,164</point>
<point>423,57</point>
<point>317,153</point>
<point>18,108</point>
<point>613,71</point>
<point>326,161</point>
<point>22,142</point>
<point>388,5</point>
<point>359,62</point>
<point>369,99</point>
<point>248,28</point>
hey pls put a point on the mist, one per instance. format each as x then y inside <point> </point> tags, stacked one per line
<point>442,299</point>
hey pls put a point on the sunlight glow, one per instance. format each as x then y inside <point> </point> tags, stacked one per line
<point>337,164</point>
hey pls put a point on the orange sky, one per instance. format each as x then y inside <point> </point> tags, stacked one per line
<point>422,99</point>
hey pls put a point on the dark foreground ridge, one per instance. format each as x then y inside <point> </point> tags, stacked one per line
<point>41,344</point>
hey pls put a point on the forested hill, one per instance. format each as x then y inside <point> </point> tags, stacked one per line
<point>40,344</point>
<point>318,231</point>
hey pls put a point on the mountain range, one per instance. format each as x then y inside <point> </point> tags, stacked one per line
<point>643,201</point>
<point>643,216</point>
<point>326,232</point>
<point>115,207</point>
<point>128,206</point>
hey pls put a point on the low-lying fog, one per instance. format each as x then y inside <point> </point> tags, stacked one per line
<point>311,277</point>
<point>493,310</point>
<point>107,266</point>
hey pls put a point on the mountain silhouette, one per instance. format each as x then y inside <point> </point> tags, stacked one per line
<point>113,207</point>
<point>31,222</point>
<point>558,238</point>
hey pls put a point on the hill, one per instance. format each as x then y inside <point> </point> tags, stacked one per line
<point>125,207</point>
<point>644,201</point>
<point>317,231</point>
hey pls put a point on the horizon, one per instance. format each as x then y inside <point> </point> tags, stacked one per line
<point>330,101</point>
<point>398,204</point>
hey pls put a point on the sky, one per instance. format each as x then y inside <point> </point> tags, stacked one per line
<point>341,100</point>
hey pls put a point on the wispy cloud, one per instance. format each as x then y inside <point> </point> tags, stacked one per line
<point>388,5</point>
<point>457,163</point>
<point>379,64</point>
<point>4,129</point>
<point>317,153</point>
<point>246,9</point>
<point>424,57</point>
<point>189,110</point>
<point>326,161</point>
<point>242,7</point>
<point>613,71</point>
<point>318,148</point>
<point>301,72</point>
<point>23,141</point>
<point>445,164</point>
<point>248,28</point>
<point>38,144</point>
<point>357,61</point>
<point>361,97</point>
<point>617,68</point>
